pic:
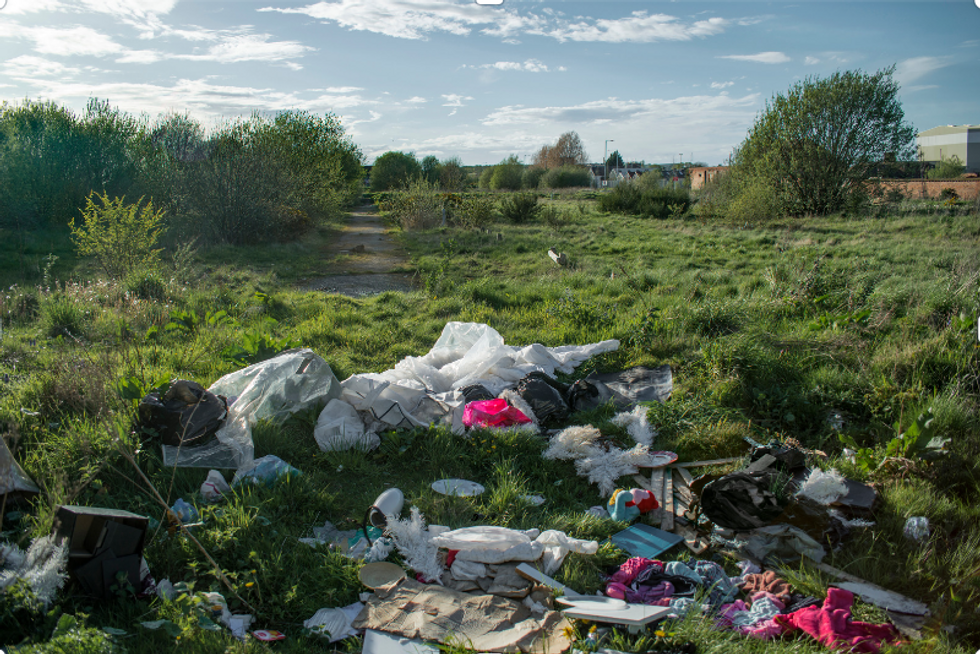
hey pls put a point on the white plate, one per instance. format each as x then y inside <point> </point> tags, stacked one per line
<point>457,487</point>
<point>592,603</point>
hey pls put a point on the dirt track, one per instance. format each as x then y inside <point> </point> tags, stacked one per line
<point>364,260</point>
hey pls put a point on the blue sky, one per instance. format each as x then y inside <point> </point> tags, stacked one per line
<point>455,78</point>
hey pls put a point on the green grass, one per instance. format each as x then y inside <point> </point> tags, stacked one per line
<point>768,328</point>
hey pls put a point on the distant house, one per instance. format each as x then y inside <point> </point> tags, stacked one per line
<point>608,178</point>
<point>940,143</point>
<point>701,175</point>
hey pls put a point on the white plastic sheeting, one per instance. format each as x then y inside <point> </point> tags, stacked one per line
<point>270,390</point>
<point>421,391</point>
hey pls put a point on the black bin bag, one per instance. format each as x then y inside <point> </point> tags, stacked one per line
<point>186,414</point>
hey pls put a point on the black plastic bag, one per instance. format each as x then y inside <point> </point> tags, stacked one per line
<point>476,393</point>
<point>545,397</point>
<point>748,499</point>
<point>186,414</point>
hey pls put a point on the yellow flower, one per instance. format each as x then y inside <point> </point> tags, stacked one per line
<point>660,632</point>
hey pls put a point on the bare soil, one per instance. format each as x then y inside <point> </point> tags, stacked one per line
<point>364,260</point>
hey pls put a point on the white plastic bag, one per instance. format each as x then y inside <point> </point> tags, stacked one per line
<point>340,428</point>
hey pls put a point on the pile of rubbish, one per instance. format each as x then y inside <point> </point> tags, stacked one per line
<point>488,586</point>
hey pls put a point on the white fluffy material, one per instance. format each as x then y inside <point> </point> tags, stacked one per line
<point>41,567</point>
<point>415,545</point>
<point>855,523</point>
<point>637,425</point>
<point>515,400</point>
<point>604,467</point>
<point>598,464</point>
<point>572,443</point>
<point>823,487</point>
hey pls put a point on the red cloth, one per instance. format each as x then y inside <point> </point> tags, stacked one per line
<point>832,626</point>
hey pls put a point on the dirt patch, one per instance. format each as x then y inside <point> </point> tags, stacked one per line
<point>364,260</point>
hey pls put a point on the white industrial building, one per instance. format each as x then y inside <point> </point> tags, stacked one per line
<point>943,142</point>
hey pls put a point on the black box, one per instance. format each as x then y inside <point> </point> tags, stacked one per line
<point>101,543</point>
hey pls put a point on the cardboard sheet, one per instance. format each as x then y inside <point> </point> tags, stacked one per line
<point>482,622</point>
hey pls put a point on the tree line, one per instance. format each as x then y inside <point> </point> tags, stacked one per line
<point>244,181</point>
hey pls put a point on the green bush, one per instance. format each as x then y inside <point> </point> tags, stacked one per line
<point>122,237</point>
<point>520,207</point>
<point>62,316</point>
<point>531,177</point>
<point>420,206</point>
<point>566,177</point>
<point>655,202</point>
<point>146,285</point>
<point>475,211</point>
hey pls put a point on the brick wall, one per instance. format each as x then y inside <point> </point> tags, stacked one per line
<point>966,189</point>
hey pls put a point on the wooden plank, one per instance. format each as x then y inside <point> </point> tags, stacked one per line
<point>681,491</point>
<point>712,462</point>
<point>657,486</point>
<point>685,475</point>
<point>667,524</point>
<point>691,539</point>
<point>643,482</point>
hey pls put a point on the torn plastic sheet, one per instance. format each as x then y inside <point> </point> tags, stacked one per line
<point>15,480</point>
<point>340,428</point>
<point>639,384</point>
<point>269,390</point>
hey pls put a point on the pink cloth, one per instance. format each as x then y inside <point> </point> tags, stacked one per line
<point>631,569</point>
<point>765,630</point>
<point>492,413</point>
<point>832,626</point>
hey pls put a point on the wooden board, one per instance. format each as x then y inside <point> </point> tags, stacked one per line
<point>685,475</point>
<point>657,486</point>
<point>712,462</point>
<point>667,523</point>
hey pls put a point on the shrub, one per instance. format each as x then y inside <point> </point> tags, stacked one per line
<point>475,211</point>
<point>419,206</point>
<point>624,198</point>
<point>122,237</point>
<point>566,177</point>
<point>61,316</point>
<point>531,177</point>
<point>146,285</point>
<point>949,194</point>
<point>520,207</point>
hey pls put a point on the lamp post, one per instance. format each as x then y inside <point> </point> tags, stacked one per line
<point>605,162</point>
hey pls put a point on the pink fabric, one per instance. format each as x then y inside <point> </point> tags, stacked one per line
<point>832,626</point>
<point>726,612</point>
<point>631,569</point>
<point>492,413</point>
<point>765,630</point>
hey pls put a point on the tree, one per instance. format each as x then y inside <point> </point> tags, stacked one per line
<point>452,177</point>
<point>947,169</point>
<point>568,151</point>
<point>394,170</point>
<point>813,146</point>
<point>431,169</point>
<point>615,160</point>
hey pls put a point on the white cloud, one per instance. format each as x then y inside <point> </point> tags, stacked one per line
<point>721,85</point>
<point>416,100</point>
<point>917,67</point>
<point>455,100</point>
<point>811,61</point>
<point>71,41</point>
<point>250,47</point>
<point>692,108</point>
<point>417,19</point>
<point>761,58</point>
<point>29,6</point>
<point>638,28</point>
<point>27,67</point>
<point>529,65</point>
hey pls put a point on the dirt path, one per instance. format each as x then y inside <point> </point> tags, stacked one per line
<point>364,260</point>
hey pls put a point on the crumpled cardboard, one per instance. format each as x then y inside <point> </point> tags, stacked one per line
<point>485,623</point>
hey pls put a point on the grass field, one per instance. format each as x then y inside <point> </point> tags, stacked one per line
<point>770,330</point>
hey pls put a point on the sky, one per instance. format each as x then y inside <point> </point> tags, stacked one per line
<point>658,81</point>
